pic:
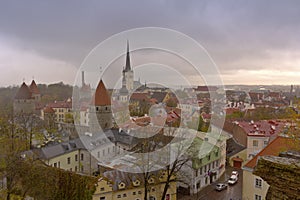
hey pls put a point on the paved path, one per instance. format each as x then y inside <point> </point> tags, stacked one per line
<point>233,192</point>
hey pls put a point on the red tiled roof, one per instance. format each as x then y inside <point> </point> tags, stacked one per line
<point>265,128</point>
<point>138,96</point>
<point>49,110</point>
<point>60,104</point>
<point>205,88</point>
<point>279,144</point>
<point>33,88</point>
<point>23,92</point>
<point>101,96</point>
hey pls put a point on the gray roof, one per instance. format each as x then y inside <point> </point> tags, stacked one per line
<point>59,149</point>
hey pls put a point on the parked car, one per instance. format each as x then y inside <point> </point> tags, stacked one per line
<point>232,180</point>
<point>235,173</point>
<point>221,186</point>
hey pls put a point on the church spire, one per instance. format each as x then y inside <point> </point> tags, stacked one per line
<point>127,66</point>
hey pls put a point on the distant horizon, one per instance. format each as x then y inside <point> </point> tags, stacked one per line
<point>185,86</point>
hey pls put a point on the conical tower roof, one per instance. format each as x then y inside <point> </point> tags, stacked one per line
<point>23,92</point>
<point>101,96</point>
<point>127,66</point>
<point>33,88</point>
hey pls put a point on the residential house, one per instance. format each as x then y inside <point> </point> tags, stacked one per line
<point>62,110</point>
<point>115,185</point>
<point>205,167</point>
<point>260,133</point>
<point>255,187</point>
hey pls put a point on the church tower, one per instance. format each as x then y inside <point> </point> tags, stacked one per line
<point>128,72</point>
<point>123,92</point>
<point>100,113</point>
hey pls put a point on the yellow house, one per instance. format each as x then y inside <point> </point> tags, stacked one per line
<point>117,185</point>
<point>62,110</point>
<point>70,156</point>
<point>254,187</point>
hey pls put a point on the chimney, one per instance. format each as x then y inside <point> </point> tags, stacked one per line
<point>82,77</point>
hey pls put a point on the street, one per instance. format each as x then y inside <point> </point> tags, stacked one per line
<point>233,192</point>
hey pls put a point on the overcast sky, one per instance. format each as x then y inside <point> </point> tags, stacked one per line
<point>251,41</point>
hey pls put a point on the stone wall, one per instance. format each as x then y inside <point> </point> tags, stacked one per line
<point>283,176</point>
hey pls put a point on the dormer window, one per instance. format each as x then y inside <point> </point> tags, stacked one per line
<point>136,183</point>
<point>151,180</point>
<point>121,185</point>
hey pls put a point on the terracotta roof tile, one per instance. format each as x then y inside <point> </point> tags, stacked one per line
<point>60,104</point>
<point>49,110</point>
<point>33,88</point>
<point>101,96</point>
<point>23,92</point>
<point>279,144</point>
<point>138,96</point>
<point>264,128</point>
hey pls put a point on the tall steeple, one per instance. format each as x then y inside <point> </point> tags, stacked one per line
<point>127,66</point>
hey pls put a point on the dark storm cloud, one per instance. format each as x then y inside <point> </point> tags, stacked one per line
<point>237,34</point>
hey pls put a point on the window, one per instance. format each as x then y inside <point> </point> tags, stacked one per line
<point>196,170</point>
<point>217,153</point>
<point>102,189</point>
<point>68,160</point>
<point>257,197</point>
<point>124,195</point>
<point>76,169</point>
<point>102,198</point>
<point>98,154</point>
<point>119,196</point>
<point>205,168</point>
<point>201,171</point>
<point>55,164</point>
<point>76,157</point>
<point>139,192</point>
<point>258,183</point>
<point>103,152</point>
<point>133,193</point>
<point>198,185</point>
<point>213,164</point>
<point>82,168</point>
<point>255,143</point>
<point>81,156</point>
<point>266,142</point>
<point>58,164</point>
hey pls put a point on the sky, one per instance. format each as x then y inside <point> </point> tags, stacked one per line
<point>250,41</point>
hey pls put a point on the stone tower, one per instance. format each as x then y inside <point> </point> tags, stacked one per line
<point>24,103</point>
<point>128,72</point>
<point>100,113</point>
<point>35,92</point>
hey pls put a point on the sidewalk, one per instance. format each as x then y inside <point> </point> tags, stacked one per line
<point>208,189</point>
